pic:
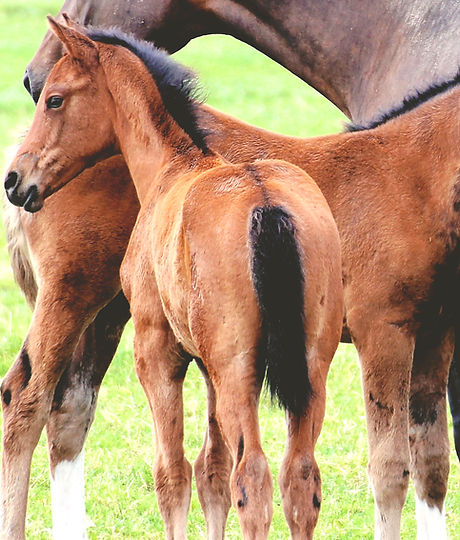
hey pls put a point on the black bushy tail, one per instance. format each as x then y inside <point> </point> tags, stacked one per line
<point>279,282</point>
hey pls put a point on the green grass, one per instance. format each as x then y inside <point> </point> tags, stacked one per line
<point>119,453</point>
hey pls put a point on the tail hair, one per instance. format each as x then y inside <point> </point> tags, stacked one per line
<point>278,280</point>
<point>18,250</point>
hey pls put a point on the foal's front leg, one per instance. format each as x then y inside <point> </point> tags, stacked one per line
<point>161,370</point>
<point>27,394</point>
<point>385,352</point>
<point>72,414</point>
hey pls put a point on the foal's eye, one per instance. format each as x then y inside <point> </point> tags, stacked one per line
<point>54,102</point>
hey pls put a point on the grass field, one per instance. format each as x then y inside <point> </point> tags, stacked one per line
<point>119,453</point>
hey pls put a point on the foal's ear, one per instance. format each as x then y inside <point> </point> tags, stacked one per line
<point>76,43</point>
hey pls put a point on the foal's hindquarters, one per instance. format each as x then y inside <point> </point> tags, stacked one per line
<point>194,263</point>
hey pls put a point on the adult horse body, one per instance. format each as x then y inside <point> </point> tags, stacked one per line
<point>253,292</point>
<point>365,57</point>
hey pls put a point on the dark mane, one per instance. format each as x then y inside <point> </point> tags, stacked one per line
<point>177,84</point>
<point>409,103</point>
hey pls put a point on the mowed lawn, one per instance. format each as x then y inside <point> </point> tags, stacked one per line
<point>120,452</point>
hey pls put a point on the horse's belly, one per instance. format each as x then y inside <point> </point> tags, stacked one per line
<point>174,294</point>
<point>173,279</point>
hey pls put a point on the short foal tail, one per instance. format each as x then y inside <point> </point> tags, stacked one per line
<point>279,283</point>
<point>19,252</point>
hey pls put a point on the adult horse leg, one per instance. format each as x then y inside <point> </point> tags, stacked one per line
<point>212,470</point>
<point>385,350</point>
<point>72,414</point>
<point>428,435</point>
<point>453,391</point>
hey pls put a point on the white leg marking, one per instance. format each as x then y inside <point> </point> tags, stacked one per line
<point>377,522</point>
<point>431,523</point>
<point>68,500</point>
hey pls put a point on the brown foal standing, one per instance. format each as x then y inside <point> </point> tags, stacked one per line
<point>238,265</point>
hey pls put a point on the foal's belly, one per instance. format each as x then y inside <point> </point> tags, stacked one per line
<point>174,295</point>
<point>171,266</point>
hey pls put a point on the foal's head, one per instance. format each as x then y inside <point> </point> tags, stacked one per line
<point>71,129</point>
<point>107,84</point>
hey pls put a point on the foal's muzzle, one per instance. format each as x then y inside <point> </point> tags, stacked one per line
<point>29,198</point>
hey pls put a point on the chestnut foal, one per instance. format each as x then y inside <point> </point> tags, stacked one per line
<point>238,265</point>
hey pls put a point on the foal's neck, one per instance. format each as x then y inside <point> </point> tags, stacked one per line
<point>157,150</point>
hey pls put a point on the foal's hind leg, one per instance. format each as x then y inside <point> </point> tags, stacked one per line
<point>299,478</point>
<point>72,414</point>
<point>161,370</point>
<point>428,435</point>
<point>212,471</point>
<point>237,392</point>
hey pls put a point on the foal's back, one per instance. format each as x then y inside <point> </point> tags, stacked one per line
<point>200,255</point>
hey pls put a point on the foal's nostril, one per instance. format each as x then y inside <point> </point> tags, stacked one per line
<point>11,180</point>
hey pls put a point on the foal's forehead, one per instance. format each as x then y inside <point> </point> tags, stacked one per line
<point>68,74</point>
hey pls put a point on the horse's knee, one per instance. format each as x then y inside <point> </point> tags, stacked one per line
<point>389,477</point>
<point>69,422</point>
<point>25,401</point>
<point>212,481</point>
<point>172,478</point>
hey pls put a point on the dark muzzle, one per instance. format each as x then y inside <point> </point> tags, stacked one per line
<point>29,199</point>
